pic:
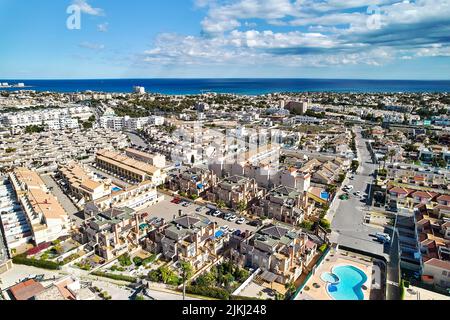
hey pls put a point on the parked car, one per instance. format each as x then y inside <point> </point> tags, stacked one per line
<point>232,218</point>
<point>144,215</point>
<point>383,237</point>
<point>199,209</point>
<point>240,221</point>
<point>217,213</point>
<point>231,231</point>
<point>227,216</point>
<point>225,228</point>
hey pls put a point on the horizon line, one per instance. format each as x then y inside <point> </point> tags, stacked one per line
<point>216,78</point>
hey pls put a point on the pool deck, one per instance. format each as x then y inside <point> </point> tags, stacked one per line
<point>315,289</point>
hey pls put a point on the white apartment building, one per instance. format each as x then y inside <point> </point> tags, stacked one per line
<point>39,117</point>
<point>62,123</point>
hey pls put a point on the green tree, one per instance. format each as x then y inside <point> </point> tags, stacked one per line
<point>221,204</point>
<point>324,223</point>
<point>242,206</point>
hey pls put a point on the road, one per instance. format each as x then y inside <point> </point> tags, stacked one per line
<point>64,200</point>
<point>135,139</point>
<point>348,222</point>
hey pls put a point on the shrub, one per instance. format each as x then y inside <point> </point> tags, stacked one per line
<point>137,261</point>
<point>43,264</point>
<point>149,260</point>
<point>211,292</point>
<point>323,247</point>
<point>114,276</point>
<point>324,223</point>
<point>154,276</point>
<point>125,260</point>
<point>306,224</point>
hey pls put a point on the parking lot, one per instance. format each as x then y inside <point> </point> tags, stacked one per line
<point>168,211</point>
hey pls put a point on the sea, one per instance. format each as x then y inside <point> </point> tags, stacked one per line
<point>233,86</point>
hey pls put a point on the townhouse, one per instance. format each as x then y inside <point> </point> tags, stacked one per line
<point>283,204</point>
<point>234,191</point>
<point>111,233</point>
<point>187,239</point>
<point>280,252</point>
<point>193,181</point>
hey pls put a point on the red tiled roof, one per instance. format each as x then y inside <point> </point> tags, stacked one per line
<point>400,190</point>
<point>439,263</point>
<point>26,290</point>
<point>424,194</point>
<point>444,197</point>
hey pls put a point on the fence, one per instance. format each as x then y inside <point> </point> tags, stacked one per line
<point>311,273</point>
<point>246,282</point>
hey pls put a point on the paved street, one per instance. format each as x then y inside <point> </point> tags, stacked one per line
<point>135,139</point>
<point>348,221</point>
<point>64,200</point>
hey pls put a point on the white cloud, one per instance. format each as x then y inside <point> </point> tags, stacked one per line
<point>86,8</point>
<point>92,46</point>
<point>103,27</point>
<point>314,33</point>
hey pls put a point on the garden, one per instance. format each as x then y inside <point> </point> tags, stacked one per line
<point>219,282</point>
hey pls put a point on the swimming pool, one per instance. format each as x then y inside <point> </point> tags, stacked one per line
<point>349,286</point>
<point>116,189</point>
<point>219,233</point>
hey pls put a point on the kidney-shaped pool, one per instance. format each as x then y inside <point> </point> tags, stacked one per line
<point>349,286</point>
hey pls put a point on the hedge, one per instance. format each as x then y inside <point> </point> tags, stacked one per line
<point>211,292</point>
<point>114,276</point>
<point>243,298</point>
<point>43,264</point>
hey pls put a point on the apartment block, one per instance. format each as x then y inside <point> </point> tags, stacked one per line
<point>112,232</point>
<point>235,190</point>
<point>283,204</point>
<point>127,168</point>
<point>186,239</point>
<point>281,253</point>
<point>47,217</point>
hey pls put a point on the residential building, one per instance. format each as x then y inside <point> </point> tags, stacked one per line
<point>234,191</point>
<point>127,168</point>
<point>47,217</point>
<point>154,159</point>
<point>193,181</point>
<point>112,232</point>
<point>187,239</point>
<point>283,204</point>
<point>281,252</point>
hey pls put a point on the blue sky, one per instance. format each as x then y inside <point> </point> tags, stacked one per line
<point>366,39</point>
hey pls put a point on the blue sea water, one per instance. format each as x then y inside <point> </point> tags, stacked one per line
<point>236,86</point>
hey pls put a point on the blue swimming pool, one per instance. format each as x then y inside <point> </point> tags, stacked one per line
<point>116,189</point>
<point>349,287</point>
<point>218,234</point>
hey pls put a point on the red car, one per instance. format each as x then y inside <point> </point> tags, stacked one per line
<point>176,201</point>
<point>144,215</point>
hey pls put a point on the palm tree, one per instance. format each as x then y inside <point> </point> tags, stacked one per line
<point>391,154</point>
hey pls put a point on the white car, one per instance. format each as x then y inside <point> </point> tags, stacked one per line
<point>240,221</point>
<point>227,216</point>
<point>231,231</point>
<point>232,218</point>
<point>217,213</point>
<point>225,228</point>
